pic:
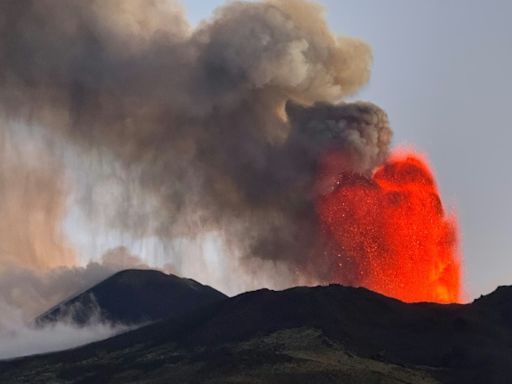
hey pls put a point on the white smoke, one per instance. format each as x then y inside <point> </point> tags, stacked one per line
<point>19,338</point>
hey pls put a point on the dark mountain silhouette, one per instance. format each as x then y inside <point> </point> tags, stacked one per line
<point>133,297</point>
<point>300,335</point>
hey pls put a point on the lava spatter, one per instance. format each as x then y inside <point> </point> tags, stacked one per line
<point>391,232</point>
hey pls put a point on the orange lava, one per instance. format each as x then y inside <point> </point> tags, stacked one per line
<point>391,233</point>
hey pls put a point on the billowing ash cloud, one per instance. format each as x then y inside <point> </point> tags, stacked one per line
<point>221,126</point>
<point>360,130</point>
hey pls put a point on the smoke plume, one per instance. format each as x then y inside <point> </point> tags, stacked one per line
<point>217,124</point>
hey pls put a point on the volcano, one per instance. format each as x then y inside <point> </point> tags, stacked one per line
<point>319,334</point>
<point>133,297</point>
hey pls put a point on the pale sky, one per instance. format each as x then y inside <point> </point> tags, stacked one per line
<point>441,71</point>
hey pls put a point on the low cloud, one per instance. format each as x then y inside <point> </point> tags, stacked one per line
<point>21,339</point>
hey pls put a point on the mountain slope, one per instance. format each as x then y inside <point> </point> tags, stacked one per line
<point>133,297</point>
<point>300,335</point>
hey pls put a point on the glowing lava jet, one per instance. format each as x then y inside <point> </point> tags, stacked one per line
<point>391,233</point>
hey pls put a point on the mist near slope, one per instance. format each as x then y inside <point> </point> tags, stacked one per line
<point>22,339</point>
<point>25,294</point>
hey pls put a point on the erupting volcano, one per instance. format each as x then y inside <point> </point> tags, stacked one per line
<point>390,231</point>
<point>206,140</point>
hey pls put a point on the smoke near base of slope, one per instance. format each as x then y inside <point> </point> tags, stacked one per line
<point>26,293</point>
<point>18,338</point>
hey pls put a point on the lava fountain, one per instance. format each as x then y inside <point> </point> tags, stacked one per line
<point>390,231</point>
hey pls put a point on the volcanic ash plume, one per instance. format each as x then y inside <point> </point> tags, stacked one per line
<point>224,126</point>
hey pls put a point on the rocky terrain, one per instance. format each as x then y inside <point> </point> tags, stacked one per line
<point>133,297</point>
<point>330,334</point>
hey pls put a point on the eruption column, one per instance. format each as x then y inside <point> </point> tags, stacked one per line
<point>181,132</point>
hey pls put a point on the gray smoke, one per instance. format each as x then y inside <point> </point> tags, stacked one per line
<point>216,128</point>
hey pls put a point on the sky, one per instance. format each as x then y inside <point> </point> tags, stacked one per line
<point>441,71</point>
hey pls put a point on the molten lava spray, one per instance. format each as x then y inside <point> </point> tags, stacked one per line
<point>391,233</point>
